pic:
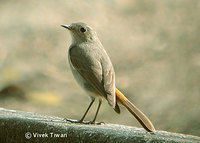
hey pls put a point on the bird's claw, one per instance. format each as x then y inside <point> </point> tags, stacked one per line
<point>94,123</point>
<point>84,122</point>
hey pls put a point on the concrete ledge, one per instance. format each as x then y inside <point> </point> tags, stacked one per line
<point>16,126</point>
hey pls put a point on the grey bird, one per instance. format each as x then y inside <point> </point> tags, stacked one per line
<point>94,72</point>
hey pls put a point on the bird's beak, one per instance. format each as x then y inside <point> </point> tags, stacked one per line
<point>66,26</point>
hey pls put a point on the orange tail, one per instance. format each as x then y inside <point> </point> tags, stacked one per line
<point>144,121</point>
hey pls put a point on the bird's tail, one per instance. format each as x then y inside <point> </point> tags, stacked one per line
<point>144,121</point>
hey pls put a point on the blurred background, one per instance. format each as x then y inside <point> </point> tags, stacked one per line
<point>154,47</point>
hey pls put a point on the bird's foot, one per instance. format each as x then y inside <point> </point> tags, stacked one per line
<point>94,123</point>
<point>84,122</point>
<point>73,121</point>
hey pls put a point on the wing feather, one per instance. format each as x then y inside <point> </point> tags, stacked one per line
<point>96,73</point>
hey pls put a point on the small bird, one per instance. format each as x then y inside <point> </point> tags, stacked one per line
<point>94,72</point>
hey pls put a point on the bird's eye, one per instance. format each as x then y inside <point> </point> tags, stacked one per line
<point>83,29</point>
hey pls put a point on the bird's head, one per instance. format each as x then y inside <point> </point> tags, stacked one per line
<point>81,32</point>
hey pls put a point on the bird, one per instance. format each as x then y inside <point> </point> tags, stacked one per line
<point>94,72</point>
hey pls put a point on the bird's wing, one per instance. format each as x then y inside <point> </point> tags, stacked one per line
<point>96,72</point>
<point>108,78</point>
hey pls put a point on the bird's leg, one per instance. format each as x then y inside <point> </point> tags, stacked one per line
<point>93,121</point>
<point>100,102</point>
<point>81,120</point>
